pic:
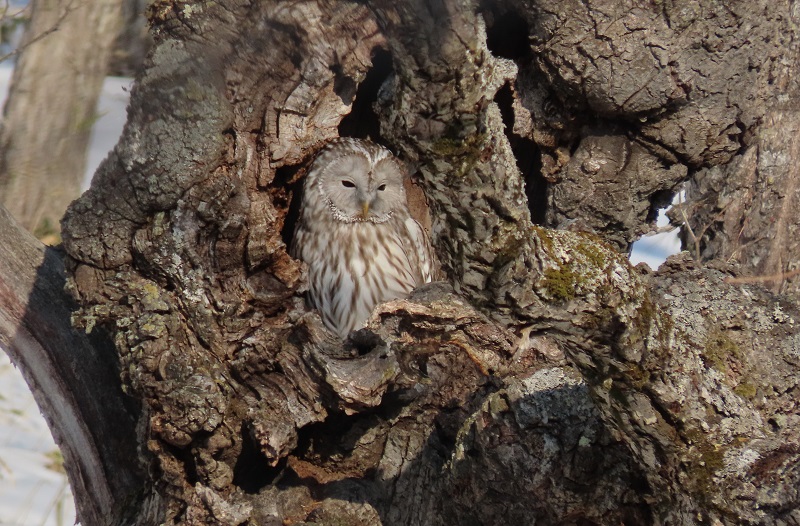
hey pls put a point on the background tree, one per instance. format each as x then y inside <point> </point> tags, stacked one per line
<point>132,42</point>
<point>51,106</point>
<point>546,380</point>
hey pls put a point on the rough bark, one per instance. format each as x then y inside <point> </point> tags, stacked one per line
<point>546,380</point>
<point>51,105</point>
<point>74,379</point>
<point>744,210</point>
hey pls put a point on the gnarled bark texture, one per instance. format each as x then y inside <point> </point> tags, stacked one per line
<point>546,380</point>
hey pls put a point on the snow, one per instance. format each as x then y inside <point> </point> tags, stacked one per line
<point>32,493</point>
<point>107,129</point>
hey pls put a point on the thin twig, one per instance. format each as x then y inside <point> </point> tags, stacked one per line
<point>67,10</point>
<point>660,230</point>
<point>764,279</point>
<point>695,240</point>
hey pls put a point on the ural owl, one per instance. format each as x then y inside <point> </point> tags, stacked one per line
<point>356,234</point>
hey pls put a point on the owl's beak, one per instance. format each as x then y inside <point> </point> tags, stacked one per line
<point>364,209</point>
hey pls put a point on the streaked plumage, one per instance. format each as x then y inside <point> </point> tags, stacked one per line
<point>356,234</point>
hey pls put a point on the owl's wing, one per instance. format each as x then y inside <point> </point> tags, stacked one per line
<point>421,247</point>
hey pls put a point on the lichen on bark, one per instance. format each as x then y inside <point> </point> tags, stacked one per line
<point>580,387</point>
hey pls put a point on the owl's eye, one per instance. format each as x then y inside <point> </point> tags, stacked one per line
<point>348,184</point>
<point>381,188</point>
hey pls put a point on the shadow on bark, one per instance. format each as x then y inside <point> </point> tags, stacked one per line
<point>180,248</point>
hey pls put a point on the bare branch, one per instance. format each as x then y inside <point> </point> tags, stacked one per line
<point>764,279</point>
<point>67,10</point>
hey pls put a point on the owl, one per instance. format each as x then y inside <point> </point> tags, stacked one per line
<point>356,234</point>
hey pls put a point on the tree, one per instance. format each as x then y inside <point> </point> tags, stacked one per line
<point>51,106</point>
<point>545,380</point>
<point>74,379</point>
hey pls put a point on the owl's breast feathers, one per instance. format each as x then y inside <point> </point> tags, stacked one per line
<point>355,266</point>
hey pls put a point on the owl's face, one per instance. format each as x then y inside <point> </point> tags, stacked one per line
<point>359,181</point>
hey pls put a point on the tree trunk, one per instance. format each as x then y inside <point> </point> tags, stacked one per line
<point>74,378</point>
<point>51,107</point>
<point>545,380</point>
<point>744,211</point>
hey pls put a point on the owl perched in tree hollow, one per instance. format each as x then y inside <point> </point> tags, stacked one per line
<point>356,234</point>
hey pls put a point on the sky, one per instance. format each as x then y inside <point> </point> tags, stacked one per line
<point>32,492</point>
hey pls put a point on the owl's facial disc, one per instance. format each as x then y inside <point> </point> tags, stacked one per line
<point>357,190</point>
<point>356,197</point>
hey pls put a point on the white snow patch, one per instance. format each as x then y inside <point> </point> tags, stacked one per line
<point>111,111</point>
<point>32,492</point>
